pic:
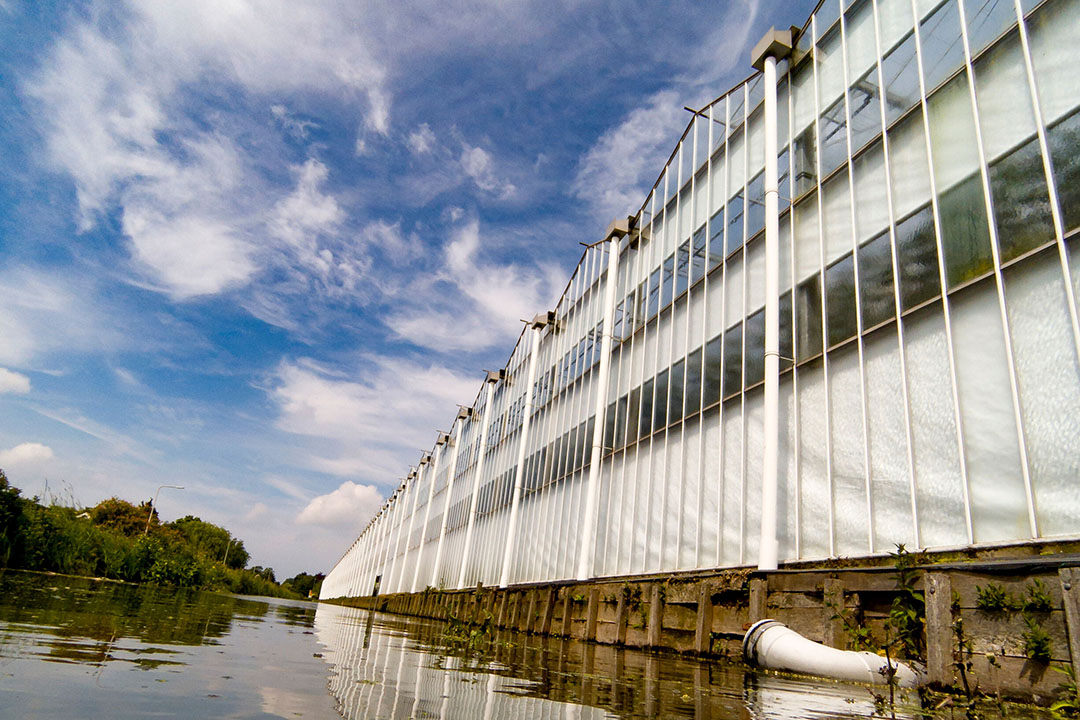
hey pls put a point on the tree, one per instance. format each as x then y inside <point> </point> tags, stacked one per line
<point>212,542</point>
<point>305,585</point>
<point>10,516</point>
<point>122,516</point>
<point>264,573</point>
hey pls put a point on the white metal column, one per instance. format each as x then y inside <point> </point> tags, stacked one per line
<point>538,323</point>
<point>774,45</point>
<point>587,548</point>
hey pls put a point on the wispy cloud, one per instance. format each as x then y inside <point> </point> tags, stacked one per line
<point>421,140</point>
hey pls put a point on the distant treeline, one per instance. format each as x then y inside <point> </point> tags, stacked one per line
<point>114,540</point>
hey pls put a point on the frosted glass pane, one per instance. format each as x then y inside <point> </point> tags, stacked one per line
<point>859,35</point>
<point>991,449</point>
<point>1049,388</point>
<point>1053,53</point>
<point>894,22</point>
<point>733,291</point>
<point>732,496</point>
<point>701,199</point>
<point>693,500</point>
<point>908,165</point>
<point>848,467</point>
<point>658,485</point>
<point>713,484</point>
<point>830,69</point>
<point>1005,114</point>
<point>814,500</point>
<point>616,512</point>
<point>922,7</point>
<point>836,225</point>
<point>714,318</point>
<point>755,280</point>
<point>938,483</point>
<point>736,164</point>
<point>807,248</point>
<point>686,219</point>
<point>871,203</point>
<point>889,474</point>
<point>803,100</point>
<point>785,253</point>
<point>649,356</point>
<point>718,184</point>
<point>696,319</point>
<point>755,417</point>
<point>787,498</point>
<point>756,147</point>
<point>952,134</point>
<point>641,508</point>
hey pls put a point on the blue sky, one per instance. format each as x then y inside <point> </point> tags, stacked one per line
<point>261,249</point>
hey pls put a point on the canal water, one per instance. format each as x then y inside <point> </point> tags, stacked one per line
<point>78,648</point>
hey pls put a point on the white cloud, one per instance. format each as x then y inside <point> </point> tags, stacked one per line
<point>421,140</point>
<point>478,165</point>
<point>297,127</point>
<point>13,382</point>
<point>25,454</point>
<point>306,214</point>
<point>351,504</point>
<point>373,427</point>
<point>616,172</point>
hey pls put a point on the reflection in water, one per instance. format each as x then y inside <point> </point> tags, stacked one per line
<point>392,667</point>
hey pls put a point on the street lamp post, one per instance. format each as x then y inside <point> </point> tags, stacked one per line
<point>154,502</point>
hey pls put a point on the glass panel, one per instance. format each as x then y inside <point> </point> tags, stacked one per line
<point>833,127</point>
<point>815,498</point>
<point>1021,201</point>
<point>736,162</point>
<point>942,48</point>
<point>755,206</point>
<point>859,35</point>
<point>646,415</point>
<point>686,219</point>
<point>894,21</point>
<point>755,275</point>
<point>836,209</point>
<point>732,360</point>
<point>850,513</point>
<point>830,68</point>
<point>1064,143</point>
<point>675,398</point>
<point>734,232</point>
<point>697,260</point>
<point>808,318</point>
<point>807,244</point>
<point>682,269</point>
<point>805,161</point>
<point>756,142</point>
<point>701,199</point>
<point>660,404</point>
<point>716,243</point>
<point>754,348</point>
<point>991,448</point>
<point>803,99</point>
<point>908,165</point>
<point>711,382</point>
<point>668,282</point>
<point>733,291</point>
<point>938,482</point>
<point>1053,54</point>
<point>1005,115</point>
<point>693,382</point>
<point>783,181</point>
<point>1049,382</point>
<point>952,134</point>
<point>876,298</point>
<point>863,101</point>
<point>986,20</point>
<point>787,342</point>
<point>964,233</point>
<point>871,201</point>
<point>733,499</point>
<point>840,300</point>
<point>654,294</point>
<point>889,481</point>
<point>901,73</point>
<point>827,14</point>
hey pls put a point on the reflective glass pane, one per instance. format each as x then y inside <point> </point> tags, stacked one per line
<point>682,269</point>
<point>1005,114</point>
<point>1063,139</point>
<point>756,142</point>
<point>833,128</point>
<point>1021,201</point>
<point>901,72</point>
<point>755,206</point>
<point>675,393</point>
<point>840,300</point>
<point>917,259</point>
<point>787,340</point>
<point>646,415</point>
<point>965,236</point>
<point>711,380</point>
<point>718,182</point>
<point>830,68</point>
<point>732,360</point>
<point>734,231</point>
<point>692,392</point>
<point>894,21</point>
<point>1053,53</point>
<point>986,20</point>
<point>697,259</point>
<point>864,98</point>
<point>808,318</point>
<point>803,98</point>
<point>942,48</point>
<point>733,291</point>
<point>859,36</point>
<point>736,164</point>
<point>654,294</point>
<point>876,282</point>
<point>805,161</point>
<point>660,403</point>
<point>668,282</point>
<point>755,275</point>
<point>754,348</point>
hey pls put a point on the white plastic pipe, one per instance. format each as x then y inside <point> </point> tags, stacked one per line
<point>773,645</point>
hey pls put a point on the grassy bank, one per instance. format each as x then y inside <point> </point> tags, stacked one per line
<point>113,540</point>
